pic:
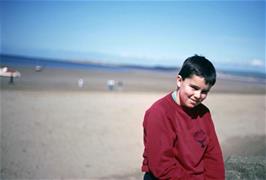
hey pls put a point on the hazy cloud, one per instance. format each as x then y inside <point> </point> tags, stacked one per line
<point>257,63</point>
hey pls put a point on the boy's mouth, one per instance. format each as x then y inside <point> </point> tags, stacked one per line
<point>194,101</point>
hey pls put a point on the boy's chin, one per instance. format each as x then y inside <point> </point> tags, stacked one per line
<point>191,105</point>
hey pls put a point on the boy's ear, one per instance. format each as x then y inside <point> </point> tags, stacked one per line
<point>179,79</point>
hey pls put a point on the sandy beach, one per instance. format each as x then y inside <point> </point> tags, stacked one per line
<point>52,129</point>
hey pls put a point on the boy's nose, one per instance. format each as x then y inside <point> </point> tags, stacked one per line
<point>197,94</point>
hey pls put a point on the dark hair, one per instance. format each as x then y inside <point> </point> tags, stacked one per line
<point>200,66</point>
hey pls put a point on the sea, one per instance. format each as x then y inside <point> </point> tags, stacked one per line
<point>15,60</point>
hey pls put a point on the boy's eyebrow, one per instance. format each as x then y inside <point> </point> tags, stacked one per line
<point>197,87</point>
<point>194,86</point>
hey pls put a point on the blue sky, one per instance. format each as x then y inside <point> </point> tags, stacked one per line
<point>230,34</point>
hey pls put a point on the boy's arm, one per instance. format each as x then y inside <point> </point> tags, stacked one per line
<point>213,158</point>
<point>160,152</point>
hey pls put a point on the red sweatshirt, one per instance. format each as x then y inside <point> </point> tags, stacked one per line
<point>181,143</point>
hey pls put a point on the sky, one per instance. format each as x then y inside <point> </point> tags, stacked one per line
<point>229,33</point>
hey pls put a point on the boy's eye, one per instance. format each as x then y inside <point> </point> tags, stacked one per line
<point>204,92</point>
<point>194,87</point>
<point>197,88</point>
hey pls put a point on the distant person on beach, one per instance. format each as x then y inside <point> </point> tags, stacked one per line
<point>179,135</point>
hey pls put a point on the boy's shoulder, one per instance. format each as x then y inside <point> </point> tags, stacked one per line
<point>161,102</point>
<point>158,111</point>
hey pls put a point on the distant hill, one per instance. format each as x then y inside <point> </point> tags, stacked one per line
<point>15,60</point>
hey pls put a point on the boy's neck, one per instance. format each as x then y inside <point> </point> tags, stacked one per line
<point>175,97</point>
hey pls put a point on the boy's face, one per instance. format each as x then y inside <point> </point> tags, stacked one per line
<point>191,91</point>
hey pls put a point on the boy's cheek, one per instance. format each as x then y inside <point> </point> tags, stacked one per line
<point>203,98</point>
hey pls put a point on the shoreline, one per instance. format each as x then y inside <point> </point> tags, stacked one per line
<point>57,79</point>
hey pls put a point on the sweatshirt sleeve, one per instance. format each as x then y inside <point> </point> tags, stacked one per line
<point>159,139</point>
<point>213,159</point>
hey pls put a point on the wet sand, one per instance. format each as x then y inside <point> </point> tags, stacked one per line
<point>52,129</point>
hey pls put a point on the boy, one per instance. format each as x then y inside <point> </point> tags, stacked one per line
<point>179,136</point>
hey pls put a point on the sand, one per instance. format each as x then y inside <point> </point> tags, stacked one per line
<point>51,129</point>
